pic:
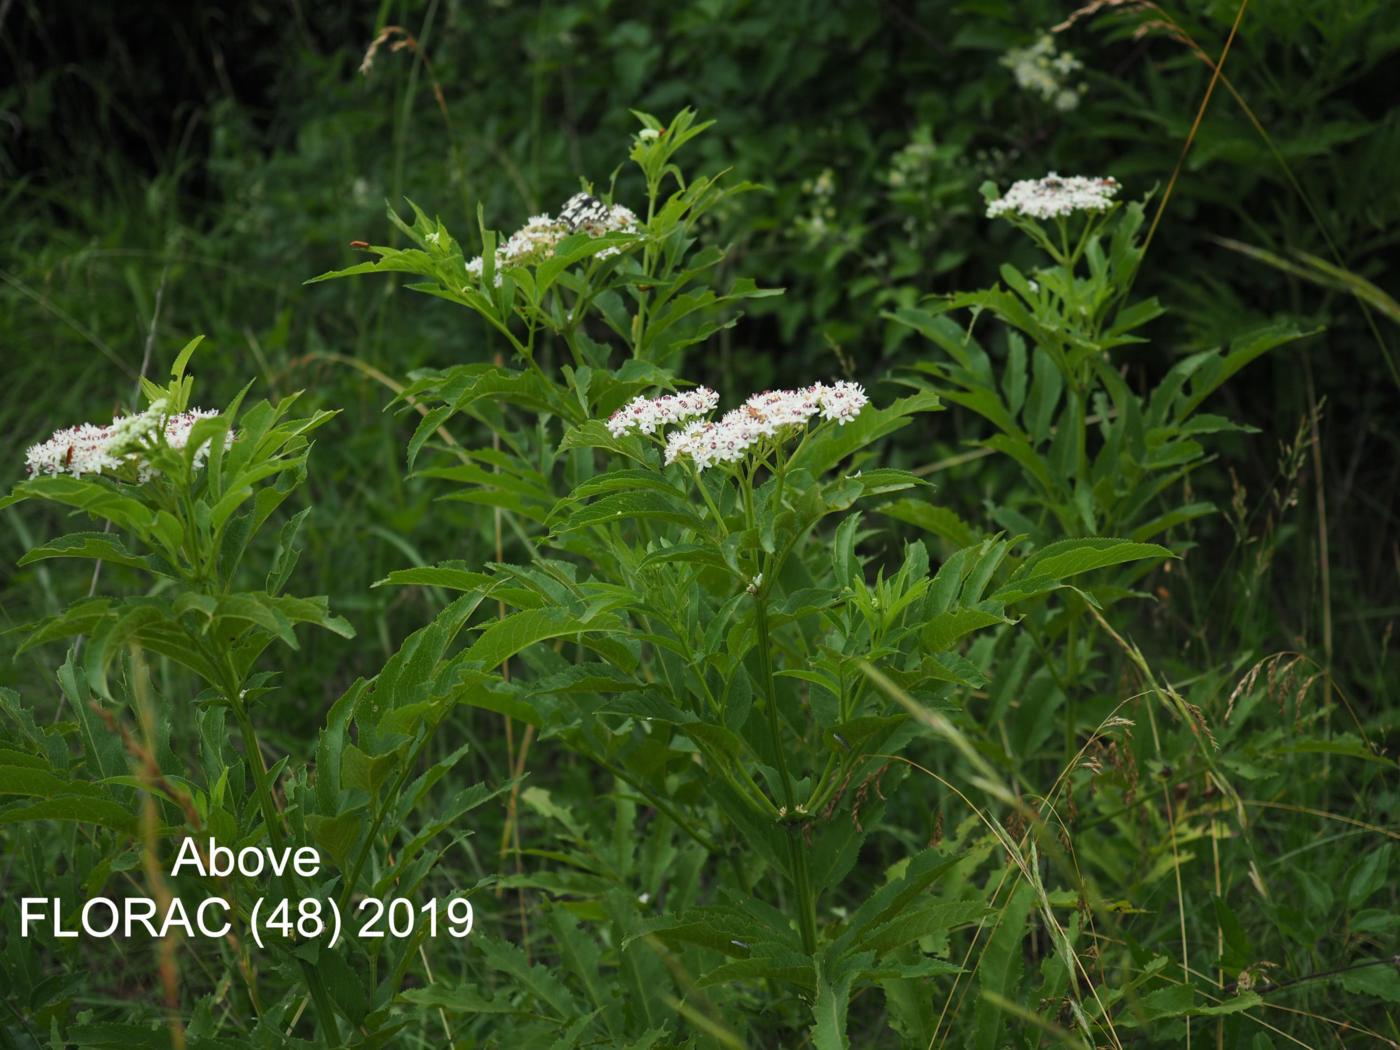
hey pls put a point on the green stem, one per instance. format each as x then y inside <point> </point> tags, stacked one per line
<point>1079,248</point>
<point>765,663</point>
<point>797,855</point>
<point>709,501</point>
<point>325,1011</point>
<point>806,899</point>
<point>1071,708</point>
<point>648,262</point>
<point>820,793</point>
<point>670,812</point>
<point>1078,415</point>
<point>381,809</point>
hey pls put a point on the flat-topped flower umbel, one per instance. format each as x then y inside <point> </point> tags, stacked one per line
<point>1054,197</point>
<point>774,414</point>
<point>645,414</point>
<point>1045,71</point>
<point>89,448</point>
<point>536,240</point>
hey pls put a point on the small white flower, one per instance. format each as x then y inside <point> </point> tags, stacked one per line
<point>644,415</point>
<point>648,134</point>
<point>1055,196</point>
<point>842,401</point>
<point>532,243</point>
<point>755,584</point>
<point>772,415</point>
<point>535,242</point>
<point>688,441</point>
<point>1041,70</point>
<point>92,449</point>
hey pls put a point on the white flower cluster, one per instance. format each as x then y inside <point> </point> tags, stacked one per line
<point>821,220</point>
<point>1054,197</point>
<point>774,413</point>
<point>92,449</point>
<point>646,414</point>
<point>912,164</point>
<point>536,240</point>
<point>1044,71</point>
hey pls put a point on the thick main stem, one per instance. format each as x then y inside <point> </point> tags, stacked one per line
<point>802,882</point>
<point>765,663</point>
<point>797,855</point>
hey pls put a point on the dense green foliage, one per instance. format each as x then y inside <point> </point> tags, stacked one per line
<point>1047,699</point>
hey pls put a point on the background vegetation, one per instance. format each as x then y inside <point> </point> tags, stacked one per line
<point>175,169</point>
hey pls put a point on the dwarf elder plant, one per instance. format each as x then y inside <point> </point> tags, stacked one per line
<point>696,606</point>
<point>1096,457</point>
<point>182,496</point>
<point>694,599</point>
<point>171,645</point>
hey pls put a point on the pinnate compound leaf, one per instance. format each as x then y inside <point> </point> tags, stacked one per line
<point>945,629</point>
<point>930,920</point>
<point>452,576</point>
<point>1044,570</point>
<point>594,433</point>
<point>461,999</point>
<point>101,545</point>
<point>81,617</point>
<point>504,638</point>
<point>38,783</point>
<point>539,982</point>
<point>829,1010</point>
<point>1000,971</point>
<point>1381,981</point>
<point>622,507</point>
<point>96,498</point>
<point>79,809</point>
<point>786,966</point>
<point>1180,1001</point>
<point>824,452</point>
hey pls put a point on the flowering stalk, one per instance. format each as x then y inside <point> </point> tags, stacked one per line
<point>1064,200</point>
<point>745,440</point>
<point>1030,202</point>
<point>790,813</point>
<point>1074,317</point>
<point>652,149</point>
<point>325,1011</point>
<point>183,497</point>
<point>646,146</point>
